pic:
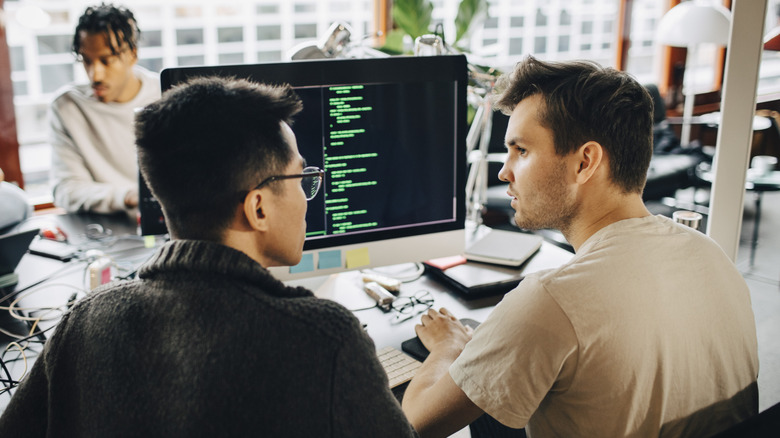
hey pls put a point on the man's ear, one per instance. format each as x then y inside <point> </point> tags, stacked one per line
<point>253,210</point>
<point>590,157</point>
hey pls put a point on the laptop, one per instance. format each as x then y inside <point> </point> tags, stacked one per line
<point>12,247</point>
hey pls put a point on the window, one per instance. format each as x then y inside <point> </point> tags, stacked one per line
<point>308,31</point>
<point>565,18</point>
<point>560,30</point>
<point>540,45</point>
<point>189,36</point>
<point>191,60</point>
<point>20,88</point>
<point>55,76</point>
<point>563,43</point>
<point>230,34</point>
<point>52,44</point>
<point>153,64</point>
<point>188,11</point>
<point>267,9</point>
<point>271,56</point>
<point>643,54</point>
<point>587,27</point>
<point>231,58</point>
<point>150,38</point>
<point>516,46</point>
<point>303,8</point>
<point>769,71</point>
<point>247,31</point>
<point>17,59</point>
<point>541,18</point>
<point>271,32</point>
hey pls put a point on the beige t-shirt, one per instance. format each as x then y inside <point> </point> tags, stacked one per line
<point>647,331</point>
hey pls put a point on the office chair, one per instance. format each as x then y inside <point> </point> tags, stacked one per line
<point>765,424</point>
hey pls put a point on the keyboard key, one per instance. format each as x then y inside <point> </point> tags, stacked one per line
<point>400,367</point>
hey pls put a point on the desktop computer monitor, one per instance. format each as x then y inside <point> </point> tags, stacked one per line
<point>390,135</point>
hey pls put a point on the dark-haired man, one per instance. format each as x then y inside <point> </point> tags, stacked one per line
<point>647,331</point>
<point>206,342</point>
<point>91,125</point>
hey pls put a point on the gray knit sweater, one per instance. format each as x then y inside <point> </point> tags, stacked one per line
<point>205,343</point>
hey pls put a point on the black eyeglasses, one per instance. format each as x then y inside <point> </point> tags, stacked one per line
<point>408,307</point>
<point>311,180</point>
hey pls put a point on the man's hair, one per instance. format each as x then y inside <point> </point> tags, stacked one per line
<point>586,102</point>
<point>206,143</point>
<point>113,20</point>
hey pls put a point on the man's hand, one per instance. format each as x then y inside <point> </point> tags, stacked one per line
<point>434,404</point>
<point>441,332</point>
<point>131,199</point>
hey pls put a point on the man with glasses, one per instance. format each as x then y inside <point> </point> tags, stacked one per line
<point>206,342</point>
<point>91,125</point>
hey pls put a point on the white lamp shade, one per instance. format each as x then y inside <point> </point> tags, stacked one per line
<point>695,22</point>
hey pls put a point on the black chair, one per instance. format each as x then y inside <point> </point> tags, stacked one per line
<point>764,425</point>
<point>673,166</point>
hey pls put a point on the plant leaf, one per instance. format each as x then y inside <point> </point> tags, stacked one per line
<point>413,16</point>
<point>394,42</point>
<point>468,10</point>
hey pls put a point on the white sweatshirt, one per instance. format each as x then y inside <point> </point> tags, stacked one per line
<point>94,163</point>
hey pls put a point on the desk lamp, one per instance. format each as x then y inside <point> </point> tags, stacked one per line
<point>688,25</point>
<point>337,43</point>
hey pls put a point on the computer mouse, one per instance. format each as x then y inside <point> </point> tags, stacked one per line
<point>53,232</point>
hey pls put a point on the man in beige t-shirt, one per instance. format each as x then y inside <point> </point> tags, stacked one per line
<point>647,331</point>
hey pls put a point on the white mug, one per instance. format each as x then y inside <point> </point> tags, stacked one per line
<point>763,164</point>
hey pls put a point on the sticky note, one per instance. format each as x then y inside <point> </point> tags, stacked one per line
<point>149,241</point>
<point>357,258</point>
<point>306,264</point>
<point>329,259</point>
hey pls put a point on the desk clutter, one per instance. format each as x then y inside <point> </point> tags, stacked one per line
<point>47,264</point>
<point>492,265</point>
<point>53,274</point>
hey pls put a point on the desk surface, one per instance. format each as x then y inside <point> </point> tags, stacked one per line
<point>62,280</point>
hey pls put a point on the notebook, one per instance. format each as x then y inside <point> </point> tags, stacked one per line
<point>508,248</point>
<point>12,248</point>
<point>474,280</point>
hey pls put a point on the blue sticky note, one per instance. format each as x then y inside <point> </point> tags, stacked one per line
<point>329,259</point>
<point>306,264</point>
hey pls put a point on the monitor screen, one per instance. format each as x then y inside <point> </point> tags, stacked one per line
<point>390,135</point>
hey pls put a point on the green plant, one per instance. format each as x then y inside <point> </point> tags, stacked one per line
<point>413,18</point>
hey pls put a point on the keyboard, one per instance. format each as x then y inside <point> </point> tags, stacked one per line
<point>400,367</point>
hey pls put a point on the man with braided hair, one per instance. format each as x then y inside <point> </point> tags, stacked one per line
<point>91,125</point>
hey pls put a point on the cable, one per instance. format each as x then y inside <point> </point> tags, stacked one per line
<point>34,335</point>
<point>402,276</point>
<point>13,306</point>
<point>68,265</point>
<point>364,308</point>
<point>10,383</point>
